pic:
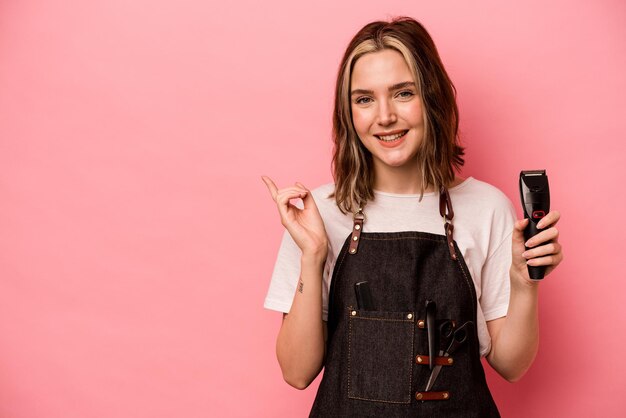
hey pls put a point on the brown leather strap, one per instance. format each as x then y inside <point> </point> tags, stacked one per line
<point>439,361</point>
<point>445,209</point>
<point>432,396</point>
<point>449,228</point>
<point>357,228</point>
<point>445,205</point>
<point>447,213</point>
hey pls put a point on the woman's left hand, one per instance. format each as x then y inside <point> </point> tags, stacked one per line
<point>544,248</point>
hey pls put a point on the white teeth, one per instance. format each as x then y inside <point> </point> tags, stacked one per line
<point>389,138</point>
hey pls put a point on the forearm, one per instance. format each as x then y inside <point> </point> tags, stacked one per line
<point>515,344</point>
<point>300,345</point>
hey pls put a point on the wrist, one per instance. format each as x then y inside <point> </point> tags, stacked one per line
<point>315,257</point>
<point>522,283</point>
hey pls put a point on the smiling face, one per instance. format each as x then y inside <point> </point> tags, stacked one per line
<point>387,110</point>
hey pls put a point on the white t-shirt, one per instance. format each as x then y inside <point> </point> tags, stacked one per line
<point>483,223</point>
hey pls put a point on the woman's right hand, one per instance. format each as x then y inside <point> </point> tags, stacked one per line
<point>305,226</point>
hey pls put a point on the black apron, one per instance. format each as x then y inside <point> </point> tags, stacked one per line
<point>376,361</point>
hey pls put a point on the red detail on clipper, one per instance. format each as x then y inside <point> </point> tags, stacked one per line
<point>538,214</point>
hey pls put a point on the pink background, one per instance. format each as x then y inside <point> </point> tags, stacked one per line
<point>137,239</point>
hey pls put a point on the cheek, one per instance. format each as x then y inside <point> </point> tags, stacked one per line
<point>416,114</point>
<point>359,120</point>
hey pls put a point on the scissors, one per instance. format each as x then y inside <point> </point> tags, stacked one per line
<point>456,338</point>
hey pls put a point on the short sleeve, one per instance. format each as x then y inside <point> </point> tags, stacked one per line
<point>285,276</point>
<point>495,282</point>
<point>494,299</point>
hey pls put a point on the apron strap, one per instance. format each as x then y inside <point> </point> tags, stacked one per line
<point>447,213</point>
<point>445,210</point>
<point>357,227</point>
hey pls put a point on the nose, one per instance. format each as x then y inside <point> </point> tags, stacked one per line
<point>386,113</point>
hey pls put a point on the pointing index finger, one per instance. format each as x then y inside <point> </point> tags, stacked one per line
<point>271,186</point>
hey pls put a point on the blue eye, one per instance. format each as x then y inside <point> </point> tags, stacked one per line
<point>363,100</point>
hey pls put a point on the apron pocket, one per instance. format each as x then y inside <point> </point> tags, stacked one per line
<point>380,355</point>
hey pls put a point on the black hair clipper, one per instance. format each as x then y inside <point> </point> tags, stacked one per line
<point>535,195</point>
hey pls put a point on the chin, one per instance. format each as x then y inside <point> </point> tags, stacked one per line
<point>397,163</point>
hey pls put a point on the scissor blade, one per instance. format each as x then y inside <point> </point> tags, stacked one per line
<point>431,313</point>
<point>433,377</point>
<point>433,374</point>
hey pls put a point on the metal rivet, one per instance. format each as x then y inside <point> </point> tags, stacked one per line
<point>450,361</point>
<point>419,359</point>
<point>445,395</point>
<point>418,396</point>
<point>353,313</point>
<point>357,227</point>
<point>354,238</point>
<point>352,251</point>
<point>409,316</point>
<point>420,323</point>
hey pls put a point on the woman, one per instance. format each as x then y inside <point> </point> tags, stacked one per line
<point>443,293</point>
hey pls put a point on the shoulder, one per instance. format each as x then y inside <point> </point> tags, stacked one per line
<point>325,203</point>
<point>484,189</point>
<point>483,209</point>
<point>323,191</point>
<point>479,194</point>
<point>335,221</point>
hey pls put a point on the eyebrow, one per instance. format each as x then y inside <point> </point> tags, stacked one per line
<point>391,88</point>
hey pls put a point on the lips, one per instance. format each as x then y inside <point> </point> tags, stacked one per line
<point>391,139</point>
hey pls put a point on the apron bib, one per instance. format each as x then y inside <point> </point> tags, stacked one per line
<point>376,361</point>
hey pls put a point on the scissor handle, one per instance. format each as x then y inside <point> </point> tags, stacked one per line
<point>446,329</point>
<point>459,337</point>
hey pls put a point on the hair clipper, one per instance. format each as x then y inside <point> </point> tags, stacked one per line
<point>535,195</point>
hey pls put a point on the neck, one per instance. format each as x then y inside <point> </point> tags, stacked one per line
<point>399,180</point>
<point>403,180</point>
